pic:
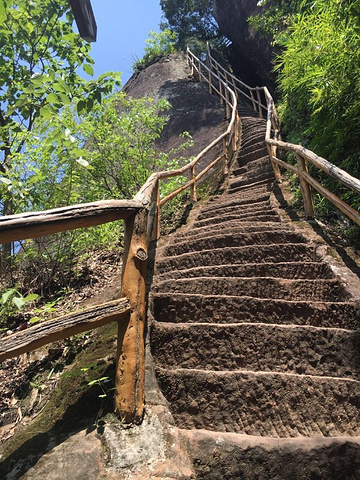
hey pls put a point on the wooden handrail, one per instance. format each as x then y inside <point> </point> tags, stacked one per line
<point>141,216</point>
<point>38,224</point>
<point>63,327</point>
<point>303,155</point>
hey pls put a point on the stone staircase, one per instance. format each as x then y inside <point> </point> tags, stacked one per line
<point>254,338</point>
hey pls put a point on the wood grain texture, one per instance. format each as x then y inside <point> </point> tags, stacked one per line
<point>64,327</point>
<point>39,224</point>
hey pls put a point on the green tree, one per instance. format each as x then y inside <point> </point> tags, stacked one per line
<point>191,20</point>
<point>157,45</point>
<point>39,57</point>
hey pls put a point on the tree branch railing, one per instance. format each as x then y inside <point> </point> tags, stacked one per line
<point>303,156</point>
<point>142,225</point>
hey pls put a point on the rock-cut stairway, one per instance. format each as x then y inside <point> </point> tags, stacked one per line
<point>253,340</point>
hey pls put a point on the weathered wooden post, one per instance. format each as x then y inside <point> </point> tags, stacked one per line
<point>193,189</point>
<point>226,156</point>
<point>130,366</point>
<point>304,187</point>
<point>259,102</point>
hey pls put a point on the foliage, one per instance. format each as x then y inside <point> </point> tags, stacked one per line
<point>106,153</point>
<point>276,17</point>
<point>191,20</point>
<point>319,77</point>
<point>157,46</point>
<point>12,301</point>
<point>39,58</point>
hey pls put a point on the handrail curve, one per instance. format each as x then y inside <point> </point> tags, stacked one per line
<point>142,225</point>
<point>303,154</point>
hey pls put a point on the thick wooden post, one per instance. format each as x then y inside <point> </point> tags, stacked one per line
<point>253,100</point>
<point>210,84</point>
<point>305,188</point>
<point>259,105</point>
<point>227,101</point>
<point>193,190</point>
<point>226,156</point>
<point>130,367</point>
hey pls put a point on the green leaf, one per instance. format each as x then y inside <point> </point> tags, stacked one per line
<point>5,296</point>
<point>31,297</point>
<point>52,98</point>
<point>88,69</point>
<point>18,302</point>
<point>34,320</point>
<point>80,106</point>
<point>46,112</point>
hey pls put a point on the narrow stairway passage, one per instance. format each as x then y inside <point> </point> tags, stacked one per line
<point>253,333</point>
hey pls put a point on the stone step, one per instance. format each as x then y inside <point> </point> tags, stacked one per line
<point>235,208</point>
<point>278,253</point>
<point>235,200</point>
<point>238,226</point>
<point>264,166</point>
<point>328,290</point>
<point>252,216</point>
<point>262,403</point>
<point>190,308</point>
<point>254,187</point>
<point>308,270</point>
<point>331,352</point>
<point>180,246</point>
<point>254,154</point>
<point>231,456</point>
<point>255,145</point>
<point>256,178</point>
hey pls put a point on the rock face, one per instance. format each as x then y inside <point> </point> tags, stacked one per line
<point>193,109</point>
<point>250,55</point>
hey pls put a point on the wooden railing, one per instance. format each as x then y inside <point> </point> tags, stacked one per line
<point>141,216</point>
<point>264,105</point>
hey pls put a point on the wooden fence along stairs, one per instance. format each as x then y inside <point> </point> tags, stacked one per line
<point>254,337</point>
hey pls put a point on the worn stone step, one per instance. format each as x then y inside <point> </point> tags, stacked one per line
<point>231,456</point>
<point>328,290</point>
<point>238,226</point>
<point>252,216</point>
<point>255,145</point>
<point>180,246</point>
<point>254,187</point>
<point>234,200</point>
<point>308,270</point>
<point>235,208</point>
<point>190,308</point>
<point>256,178</point>
<point>277,253</point>
<point>262,403</point>
<point>317,351</point>
<point>252,155</point>
<point>264,166</point>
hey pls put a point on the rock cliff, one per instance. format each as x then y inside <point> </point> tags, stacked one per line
<point>251,56</point>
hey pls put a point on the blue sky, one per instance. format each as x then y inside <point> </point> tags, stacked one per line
<point>123,27</point>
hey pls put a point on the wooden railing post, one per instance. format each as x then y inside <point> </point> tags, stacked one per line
<point>210,83</point>
<point>193,189</point>
<point>226,156</point>
<point>153,227</point>
<point>227,103</point>
<point>305,188</point>
<point>130,365</point>
<point>259,105</point>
